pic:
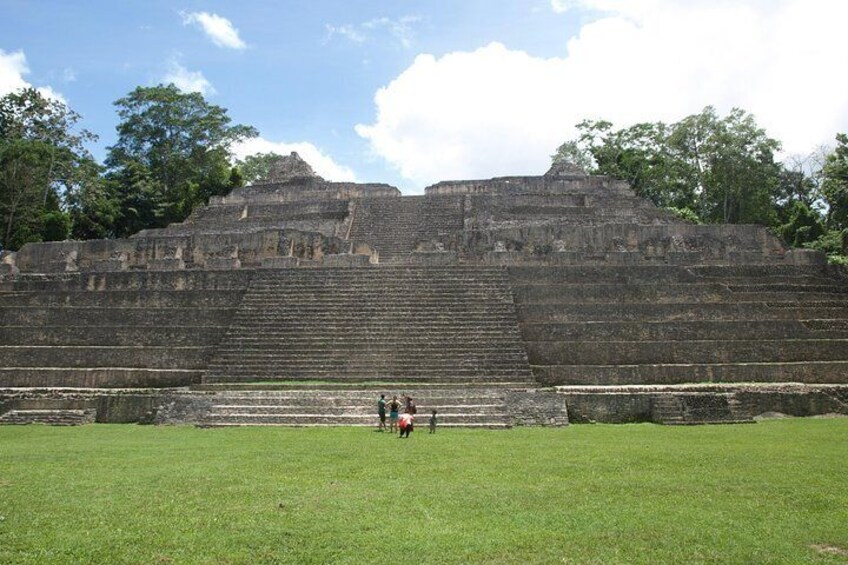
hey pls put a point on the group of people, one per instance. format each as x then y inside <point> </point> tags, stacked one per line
<point>401,422</point>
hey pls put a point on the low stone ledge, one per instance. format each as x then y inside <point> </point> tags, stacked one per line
<point>536,407</point>
<point>345,260</point>
<point>616,405</point>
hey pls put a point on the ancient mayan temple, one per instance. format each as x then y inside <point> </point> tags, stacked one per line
<point>510,301</point>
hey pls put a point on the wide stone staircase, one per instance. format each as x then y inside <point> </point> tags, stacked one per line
<point>396,226</point>
<point>374,324</point>
<point>113,329</point>
<point>324,405</point>
<point>668,325</point>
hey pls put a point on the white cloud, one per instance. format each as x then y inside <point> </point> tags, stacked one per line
<point>347,31</point>
<point>497,111</point>
<point>320,162</point>
<point>13,67</point>
<point>186,80</point>
<point>400,29</point>
<point>218,28</point>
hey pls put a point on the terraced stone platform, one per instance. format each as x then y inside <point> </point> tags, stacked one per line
<point>684,324</point>
<point>498,302</point>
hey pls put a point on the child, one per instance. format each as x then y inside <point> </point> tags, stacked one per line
<point>406,424</point>
<point>433,423</point>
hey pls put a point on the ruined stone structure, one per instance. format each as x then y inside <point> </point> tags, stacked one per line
<point>510,301</point>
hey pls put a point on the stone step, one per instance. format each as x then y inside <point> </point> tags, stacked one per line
<point>660,312</point>
<point>101,377</point>
<point>400,362</point>
<point>385,319</point>
<point>293,337</point>
<point>690,351</point>
<point>424,311</point>
<point>346,419</point>
<point>358,377</point>
<point>97,356</point>
<point>322,402</point>
<point>353,410</point>
<point>363,390</point>
<point>494,426</point>
<point>674,330</point>
<point>306,392</point>
<point>374,350</point>
<point>175,336</point>
<point>365,372</point>
<point>403,299</point>
<point>662,274</point>
<point>125,298</point>
<point>822,372</point>
<point>56,417</point>
<point>91,316</point>
<point>679,293</point>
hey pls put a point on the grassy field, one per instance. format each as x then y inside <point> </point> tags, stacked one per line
<point>774,492</point>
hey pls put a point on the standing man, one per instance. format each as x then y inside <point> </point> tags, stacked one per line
<point>381,413</point>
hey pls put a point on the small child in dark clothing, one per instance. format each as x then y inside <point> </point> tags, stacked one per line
<point>433,423</point>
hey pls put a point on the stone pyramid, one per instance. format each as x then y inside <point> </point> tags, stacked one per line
<point>526,300</point>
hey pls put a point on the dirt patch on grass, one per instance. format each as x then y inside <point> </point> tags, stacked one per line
<point>830,549</point>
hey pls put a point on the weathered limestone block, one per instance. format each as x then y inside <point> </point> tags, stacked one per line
<point>279,262</point>
<point>171,264</point>
<point>109,265</point>
<point>223,263</point>
<point>345,260</point>
<point>536,407</point>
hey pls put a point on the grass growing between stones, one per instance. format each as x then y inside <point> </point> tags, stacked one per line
<point>774,492</point>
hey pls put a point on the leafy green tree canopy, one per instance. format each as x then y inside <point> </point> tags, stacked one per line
<point>257,166</point>
<point>43,162</point>
<point>721,168</point>
<point>835,184</point>
<point>172,153</point>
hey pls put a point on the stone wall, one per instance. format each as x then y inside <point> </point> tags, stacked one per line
<point>620,405</point>
<point>211,251</point>
<point>536,407</point>
<point>113,406</point>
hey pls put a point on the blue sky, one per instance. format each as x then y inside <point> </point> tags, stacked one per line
<point>411,92</point>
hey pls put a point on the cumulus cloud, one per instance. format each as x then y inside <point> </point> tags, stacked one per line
<point>186,80</point>
<point>496,111</point>
<point>320,162</point>
<point>13,67</point>
<point>218,28</point>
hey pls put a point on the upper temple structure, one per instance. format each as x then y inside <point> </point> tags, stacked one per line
<point>510,301</point>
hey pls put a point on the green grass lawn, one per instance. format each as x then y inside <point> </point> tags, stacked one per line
<point>763,493</point>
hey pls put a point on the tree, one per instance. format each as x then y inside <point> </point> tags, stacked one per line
<point>172,154</point>
<point>257,167</point>
<point>835,184</point>
<point>43,162</point>
<point>720,168</point>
